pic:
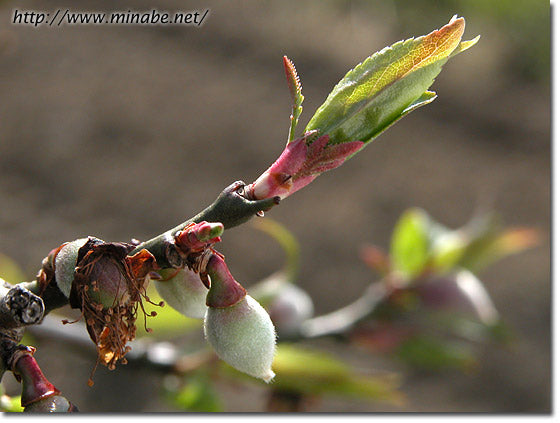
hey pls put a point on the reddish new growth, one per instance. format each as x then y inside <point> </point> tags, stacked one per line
<point>299,164</point>
<point>194,246</point>
<point>108,287</point>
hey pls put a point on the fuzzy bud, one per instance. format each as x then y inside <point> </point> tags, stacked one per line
<point>287,304</point>
<point>54,404</point>
<point>243,336</point>
<point>65,264</point>
<point>183,290</point>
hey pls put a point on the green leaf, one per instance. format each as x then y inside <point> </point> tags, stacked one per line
<point>488,242</point>
<point>447,250</point>
<point>410,244</point>
<point>428,353</point>
<point>316,372</point>
<point>387,86</point>
<point>10,404</point>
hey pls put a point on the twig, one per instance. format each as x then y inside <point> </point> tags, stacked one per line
<point>343,319</point>
<point>231,208</point>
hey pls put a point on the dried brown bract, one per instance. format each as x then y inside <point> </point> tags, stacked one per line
<point>108,287</point>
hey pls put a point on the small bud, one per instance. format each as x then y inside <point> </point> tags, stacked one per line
<point>287,304</point>
<point>54,404</point>
<point>65,264</point>
<point>197,237</point>
<point>243,336</point>
<point>208,231</point>
<point>184,291</point>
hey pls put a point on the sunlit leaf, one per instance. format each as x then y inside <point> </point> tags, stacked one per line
<point>10,404</point>
<point>409,243</point>
<point>447,250</point>
<point>387,85</point>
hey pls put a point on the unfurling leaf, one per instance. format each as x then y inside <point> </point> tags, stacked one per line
<point>387,85</point>
<point>375,94</point>
<point>299,164</point>
<point>297,98</point>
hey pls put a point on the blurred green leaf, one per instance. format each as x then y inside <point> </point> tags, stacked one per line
<point>10,270</point>
<point>386,86</point>
<point>10,404</point>
<point>447,250</point>
<point>409,243</point>
<point>313,372</point>
<point>168,322</point>
<point>488,242</point>
<point>197,395</point>
<point>431,354</point>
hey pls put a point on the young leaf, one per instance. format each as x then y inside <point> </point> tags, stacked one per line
<point>297,98</point>
<point>387,86</point>
<point>410,244</point>
<point>425,352</point>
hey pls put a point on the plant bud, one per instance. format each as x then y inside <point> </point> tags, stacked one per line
<point>54,404</point>
<point>184,291</point>
<point>65,264</point>
<point>462,292</point>
<point>287,304</point>
<point>243,336</point>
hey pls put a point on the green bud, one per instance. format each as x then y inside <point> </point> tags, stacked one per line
<point>65,265</point>
<point>183,291</point>
<point>243,336</point>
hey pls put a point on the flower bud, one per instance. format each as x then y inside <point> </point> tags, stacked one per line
<point>287,304</point>
<point>65,264</point>
<point>184,291</point>
<point>243,336</point>
<point>54,404</point>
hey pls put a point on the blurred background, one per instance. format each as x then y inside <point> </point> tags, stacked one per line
<point>125,131</point>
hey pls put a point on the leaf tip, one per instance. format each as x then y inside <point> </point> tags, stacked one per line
<point>292,77</point>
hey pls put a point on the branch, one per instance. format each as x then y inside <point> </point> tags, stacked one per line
<point>231,208</point>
